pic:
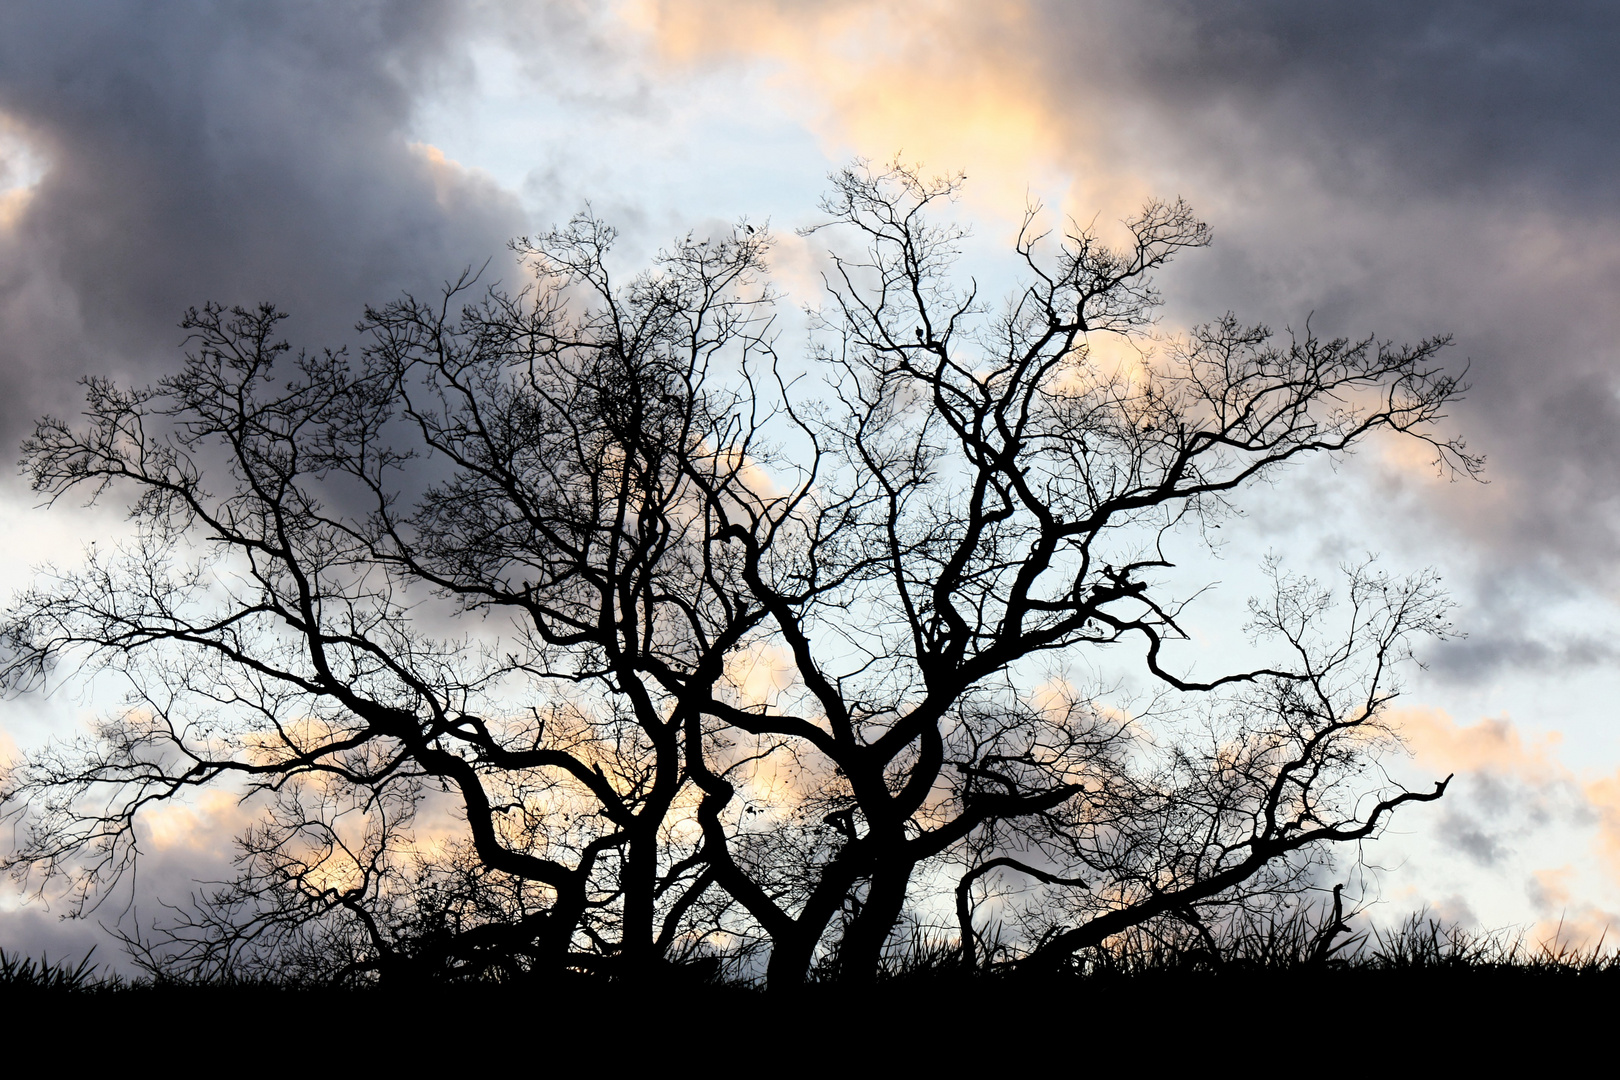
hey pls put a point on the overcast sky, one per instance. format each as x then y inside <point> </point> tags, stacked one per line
<point>1388,168</point>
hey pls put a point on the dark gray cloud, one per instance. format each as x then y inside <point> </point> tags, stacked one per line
<point>229,151</point>
<point>1494,648</point>
<point>195,150</point>
<point>1461,834</point>
<point>1460,98</point>
<point>1393,167</point>
<point>1401,170</point>
<point>1490,818</point>
<point>41,934</point>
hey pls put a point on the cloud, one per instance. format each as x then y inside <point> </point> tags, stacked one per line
<point>1509,790</point>
<point>206,825</point>
<point>761,675</point>
<point>39,934</point>
<point>1604,796</point>
<point>157,155</point>
<point>1455,911</point>
<point>234,153</point>
<point>1462,833</point>
<point>1497,648</point>
<point>949,84</point>
<point>1392,168</point>
<point>1493,746</point>
<point>1567,924</point>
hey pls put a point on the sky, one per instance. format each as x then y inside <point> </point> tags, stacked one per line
<point>1379,168</point>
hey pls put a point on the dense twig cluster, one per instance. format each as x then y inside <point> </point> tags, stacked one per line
<point>533,556</point>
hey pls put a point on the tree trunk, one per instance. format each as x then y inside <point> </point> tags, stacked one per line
<point>860,954</point>
<point>791,954</point>
<point>638,951</point>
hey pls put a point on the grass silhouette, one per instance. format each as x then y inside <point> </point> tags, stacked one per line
<point>1138,1000</point>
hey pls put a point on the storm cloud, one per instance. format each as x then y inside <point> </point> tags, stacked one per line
<point>1405,170</point>
<point>1381,168</point>
<point>234,152</point>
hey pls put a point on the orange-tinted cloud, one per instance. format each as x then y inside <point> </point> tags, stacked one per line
<point>1567,924</point>
<point>951,85</point>
<point>9,754</point>
<point>1604,796</point>
<point>1494,747</point>
<point>207,825</point>
<point>761,674</point>
<point>21,166</point>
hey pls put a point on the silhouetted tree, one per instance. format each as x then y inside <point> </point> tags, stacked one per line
<point>617,505</point>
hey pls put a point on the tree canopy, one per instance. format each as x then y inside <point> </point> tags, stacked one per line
<point>709,661</point>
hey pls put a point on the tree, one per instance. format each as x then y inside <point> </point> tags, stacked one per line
<point>520,555</point>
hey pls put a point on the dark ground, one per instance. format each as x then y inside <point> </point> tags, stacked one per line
<point>1154,1024</point>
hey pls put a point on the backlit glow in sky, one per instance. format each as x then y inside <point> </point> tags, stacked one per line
<point>1380,168</point>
